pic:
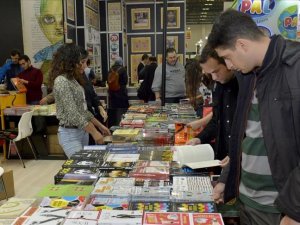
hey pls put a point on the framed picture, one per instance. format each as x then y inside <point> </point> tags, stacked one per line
<point>179,57</point>
<point>140,44</point>
<point>140,19</point>
<point>135,59</point>
<point>172,42</point>
<point>70,10</point>
<point>173,17</point>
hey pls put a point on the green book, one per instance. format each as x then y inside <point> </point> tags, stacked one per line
<point>66,190</point>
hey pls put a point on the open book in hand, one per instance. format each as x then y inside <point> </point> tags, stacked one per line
<point>195,156</point>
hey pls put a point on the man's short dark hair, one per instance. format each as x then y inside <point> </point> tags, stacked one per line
<point>152,59</point>
<point>170,50</point>
<point>24,57</point>
<point>209,52</point>
<point>145,56</point>
<point>230,26</point>
<point>15,52</point>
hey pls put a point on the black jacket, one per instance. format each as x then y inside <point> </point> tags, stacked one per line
<point>224,104</point>
<point>145,92</point>
<point>277,85</point>
<point>139,69</point>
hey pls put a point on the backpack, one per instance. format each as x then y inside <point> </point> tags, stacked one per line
<point>113,80</point>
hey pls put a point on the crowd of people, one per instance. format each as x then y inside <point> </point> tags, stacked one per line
<point>244,86</point>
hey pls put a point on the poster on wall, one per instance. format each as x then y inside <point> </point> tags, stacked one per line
<point>92,18</point>
<point>135,59</point>
<point>273,16</point>
<point>173,17</point>
<point>42,24</point>
<point>172,42</point>
<point>114,16</point>
<point>114,48</point>
<point>141,44</point>
<point>140,19</point>
<point>70,10</point>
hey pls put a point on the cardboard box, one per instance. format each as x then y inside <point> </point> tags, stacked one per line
<point>8,179</point>
<point>53,146</point>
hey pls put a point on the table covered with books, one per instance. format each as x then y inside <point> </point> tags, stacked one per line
<point>139,178</point>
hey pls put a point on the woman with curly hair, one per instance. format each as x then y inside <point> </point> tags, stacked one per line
<point>197,86</point>
<point>75,121</point>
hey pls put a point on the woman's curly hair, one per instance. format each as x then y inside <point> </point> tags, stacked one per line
<point>66,61</point>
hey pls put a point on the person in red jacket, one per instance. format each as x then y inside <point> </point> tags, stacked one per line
<point>32,78</point>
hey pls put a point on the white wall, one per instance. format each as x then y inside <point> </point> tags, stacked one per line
<point>198,32</point>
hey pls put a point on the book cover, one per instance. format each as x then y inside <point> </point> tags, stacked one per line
<point>83,173</point>
<point>167,218</point>
<point>151,206</point>
<point>119,165</point>
<point>76,182</point>
<point>194,207</point>
<point>112,157</point>
<point>19,86</point>
<point>109,203</point>
<point>65,190</point>
<point>86,215</point>
<point>47,216</point>
<point>152,173</point>
<point>89,155</point>
<point>206,219</point>
<point>114,173</point>
<point>74,202</point>
<point>148,163</point>
<point>118,217</point>
<point>14,207</point>
<point>80,222</point>
<point>124,182</point>
<point>81,163</point>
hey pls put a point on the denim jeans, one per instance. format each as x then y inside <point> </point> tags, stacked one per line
<point>72,140</point>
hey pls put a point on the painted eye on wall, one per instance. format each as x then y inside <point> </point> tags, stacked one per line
<point>48,19</point>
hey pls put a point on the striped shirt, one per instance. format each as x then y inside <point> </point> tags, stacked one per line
<point>257,189</point>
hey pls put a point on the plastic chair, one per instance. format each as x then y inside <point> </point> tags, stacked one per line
<point>24,131</point>
<point>1,177</point>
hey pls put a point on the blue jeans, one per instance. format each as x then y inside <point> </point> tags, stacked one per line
<point>72,140</point>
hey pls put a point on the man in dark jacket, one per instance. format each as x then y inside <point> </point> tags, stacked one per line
<point>145,92</point>
<point>265,140</point>
<point>224,103</point>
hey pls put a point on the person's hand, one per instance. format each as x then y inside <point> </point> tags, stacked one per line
<point>288,221</point>
<point>218,193</point>
<point>193,125</point>
<point>97,136</point>
<point>193,141</point>
<point>22,81</point>
<point>43,101</point>
<point>224,162</point>
<point>105,131</point>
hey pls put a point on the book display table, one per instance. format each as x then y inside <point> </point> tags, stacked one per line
<point>134,180</point>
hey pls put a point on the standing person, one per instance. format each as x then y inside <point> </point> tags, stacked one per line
<point>118,98</point>
<point>197,92</point>
<point>10,69</point>
<point>142,64</point>
<point>32,78</point>
<point>265,164</point>
<point>224,103</point>
<point>175,73</point>
<point>144,92</point>
<point>75,121</point>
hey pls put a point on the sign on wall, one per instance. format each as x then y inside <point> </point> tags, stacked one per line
<point>273,16</point>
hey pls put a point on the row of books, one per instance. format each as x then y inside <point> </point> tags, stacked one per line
<point>41,215</point>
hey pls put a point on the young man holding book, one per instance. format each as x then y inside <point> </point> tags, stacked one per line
<point>265,140</point>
